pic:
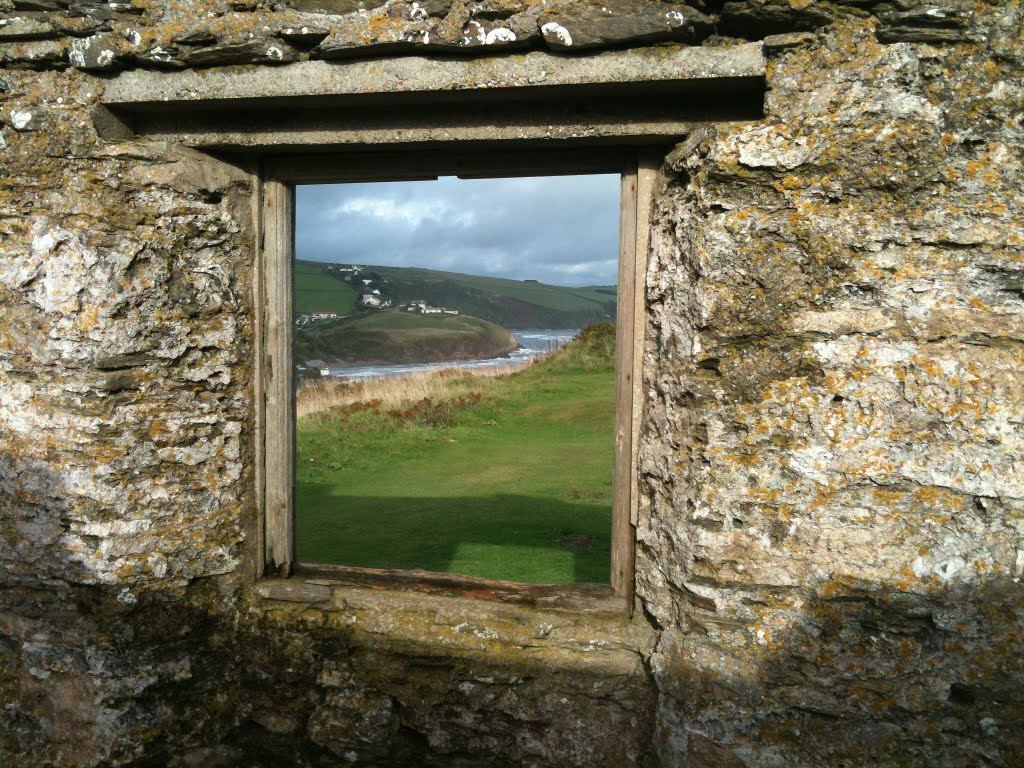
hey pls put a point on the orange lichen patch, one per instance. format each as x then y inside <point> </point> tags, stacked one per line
<point>928,365</point>
<point>792,182</point>
<point>764,494</point>
<point>906,578</point>
<point>89,317</point>
<point>744,459</point>
<point>938,497</point>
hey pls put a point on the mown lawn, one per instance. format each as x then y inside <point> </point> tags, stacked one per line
<point>514,484</point>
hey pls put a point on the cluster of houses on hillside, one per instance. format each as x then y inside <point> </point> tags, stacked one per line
<point>370,297</point>
<point>314,317</point>
<point>343,269</point>
<point>425,309</point>
<point>374,299</point>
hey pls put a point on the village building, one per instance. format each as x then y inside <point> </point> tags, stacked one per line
<point>371,300</point>
<point>314,317</point>
<point>320,366</point>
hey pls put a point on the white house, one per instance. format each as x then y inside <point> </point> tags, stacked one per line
<point>319,365</point>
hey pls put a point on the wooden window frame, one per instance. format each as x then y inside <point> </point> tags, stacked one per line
<point>276,396</point>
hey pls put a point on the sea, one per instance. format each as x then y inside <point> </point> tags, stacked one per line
<point>532,343</point>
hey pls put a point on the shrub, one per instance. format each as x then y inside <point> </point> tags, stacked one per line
<point>592,350</point>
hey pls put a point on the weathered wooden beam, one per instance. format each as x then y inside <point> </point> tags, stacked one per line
<point>622,529</point>
<point>279,441</point>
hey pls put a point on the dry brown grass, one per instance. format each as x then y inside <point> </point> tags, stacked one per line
<point>318,395</point>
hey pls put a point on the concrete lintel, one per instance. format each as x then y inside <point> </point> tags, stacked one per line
<point>301,140</point>
<point>414,75</point>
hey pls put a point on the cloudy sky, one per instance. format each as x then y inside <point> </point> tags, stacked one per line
<point>562,230</point>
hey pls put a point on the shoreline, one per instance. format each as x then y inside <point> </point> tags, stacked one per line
<point>338,364</point>
<point>531,343</point>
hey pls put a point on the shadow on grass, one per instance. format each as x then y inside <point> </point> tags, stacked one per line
<point>502,537</point>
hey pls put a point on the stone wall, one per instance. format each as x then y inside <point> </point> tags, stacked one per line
<point>830,541</point>
<point>834,542</point>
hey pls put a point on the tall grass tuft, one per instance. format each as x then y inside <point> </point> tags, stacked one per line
<point>318,395</point>
<point>592,350</point>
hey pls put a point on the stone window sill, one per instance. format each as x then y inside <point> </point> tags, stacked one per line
<point>581,624</point>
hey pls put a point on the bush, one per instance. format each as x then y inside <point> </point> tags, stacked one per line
<point>592,350</point>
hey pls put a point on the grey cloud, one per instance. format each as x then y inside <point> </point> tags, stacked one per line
<point>560,229</point>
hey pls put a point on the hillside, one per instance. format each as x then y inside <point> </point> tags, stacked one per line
<point>509,303</point>
<point>317,291</point>
<point>395,336</point>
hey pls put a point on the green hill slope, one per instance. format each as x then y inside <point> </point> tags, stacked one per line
<point>394,336</point>
<point>318,291</point>
<point>509,303</point>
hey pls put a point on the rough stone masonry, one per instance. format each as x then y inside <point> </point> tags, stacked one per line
<point>831,533</point>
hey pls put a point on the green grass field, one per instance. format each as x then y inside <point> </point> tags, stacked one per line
<point>531,291</point>
<point>512,483</point>
<point>511,303</point>
<point>316,291</point>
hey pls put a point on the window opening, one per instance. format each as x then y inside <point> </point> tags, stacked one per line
<point>637,170</point>
<point>455,391</point>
